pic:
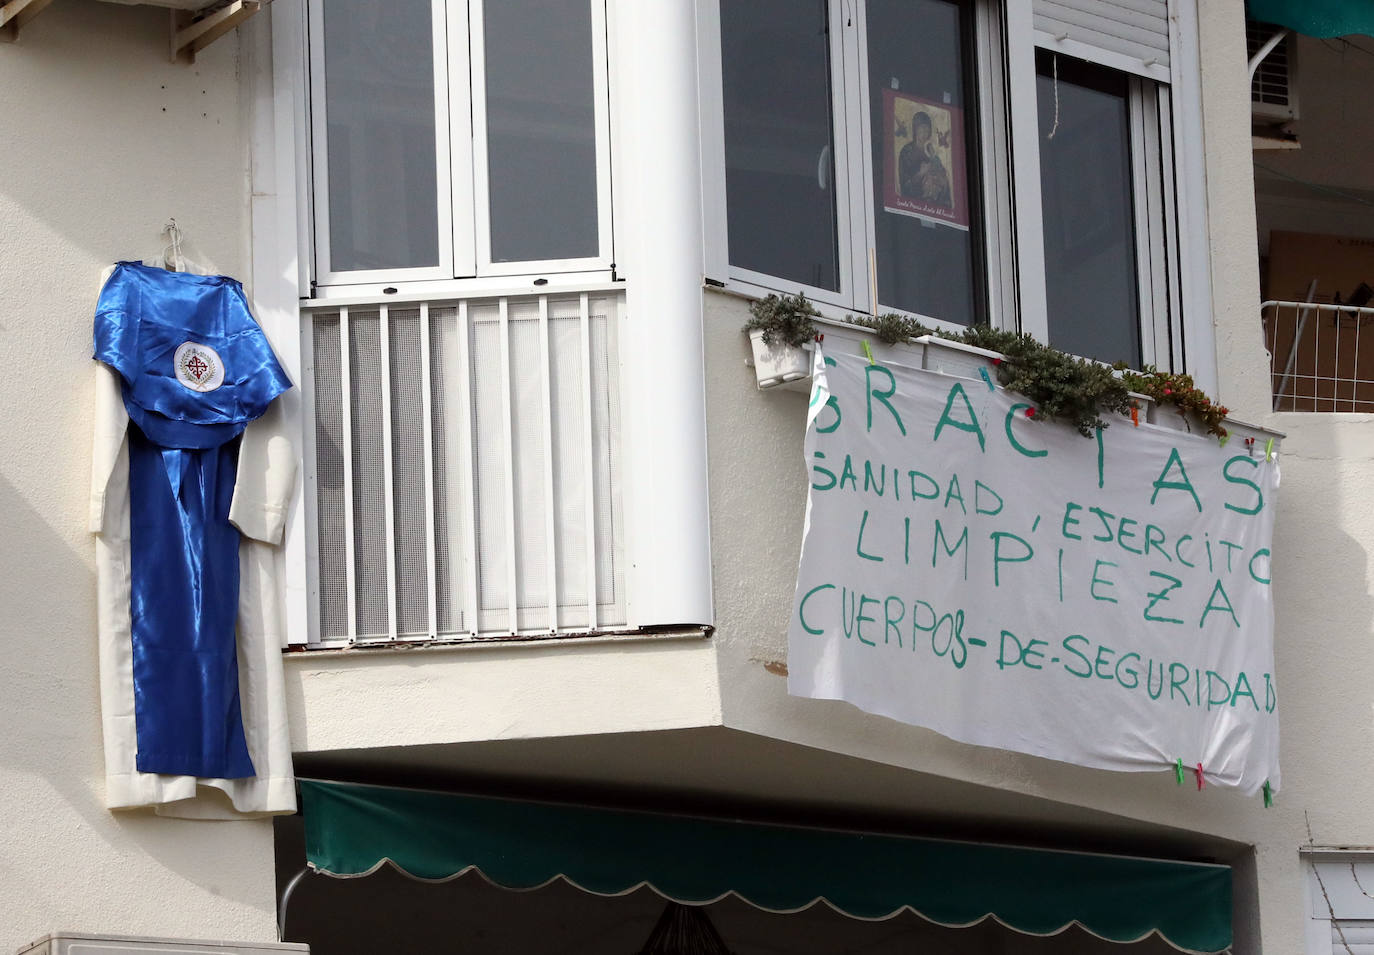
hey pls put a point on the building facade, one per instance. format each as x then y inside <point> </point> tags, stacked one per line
<point>545,533</point>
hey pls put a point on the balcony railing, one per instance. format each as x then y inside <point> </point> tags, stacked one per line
<point>1317,359</point>
<point>463,463</point>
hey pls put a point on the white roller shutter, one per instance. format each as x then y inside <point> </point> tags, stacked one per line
<point>1350,937</point>
<point>1130,35</point>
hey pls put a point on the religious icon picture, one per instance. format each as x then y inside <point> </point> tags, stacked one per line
<point>923,168</point>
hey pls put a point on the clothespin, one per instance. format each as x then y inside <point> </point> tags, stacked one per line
<point>1250,446</point>
<point>868,351</point>
<point>1269,450</point>
<point>1268,795</point>
<point>986,380</point>
<point>1135,414</point>
<point>820,336</point>
<point>1224,438</point>
<point>1178,771</point>
<point>1199,777</point>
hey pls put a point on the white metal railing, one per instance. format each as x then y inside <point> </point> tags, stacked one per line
<point>462,468</point>
<point>1316,356</point>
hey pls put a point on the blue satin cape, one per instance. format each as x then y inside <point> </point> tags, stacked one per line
<point>195,369</point>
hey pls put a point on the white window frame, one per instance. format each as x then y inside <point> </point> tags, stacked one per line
<point>462,176</point>
<point>478,160</point>
<point>1154,207</point>
<point>1167,177</point>
<point>853,164</point>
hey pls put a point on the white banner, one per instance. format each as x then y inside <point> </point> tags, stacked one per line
<point>1011,583</point>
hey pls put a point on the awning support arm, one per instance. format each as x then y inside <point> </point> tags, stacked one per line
<point>286,901</point>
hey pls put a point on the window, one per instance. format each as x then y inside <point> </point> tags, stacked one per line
<point>1101,196</point>
<point>459,372</point>
<point>802,186</point>
<point>458,139</point>
<point>963,161</point>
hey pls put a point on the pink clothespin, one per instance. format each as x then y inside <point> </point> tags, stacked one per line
<point>1199,777</point>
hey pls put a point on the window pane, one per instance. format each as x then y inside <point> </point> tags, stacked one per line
<point>926,214</point>
<point>541,130</point>
<point>379,105</point>
<point>1085,177</point>
<point>779,169</point>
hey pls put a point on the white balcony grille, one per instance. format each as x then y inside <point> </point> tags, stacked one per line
<point>1317,359</point>
<point>464,469</point>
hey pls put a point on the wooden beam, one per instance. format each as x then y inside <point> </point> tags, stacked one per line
<point>190,36</point>
<point>15,13</point>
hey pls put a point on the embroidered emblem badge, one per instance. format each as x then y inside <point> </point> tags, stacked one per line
<point>198,367</point>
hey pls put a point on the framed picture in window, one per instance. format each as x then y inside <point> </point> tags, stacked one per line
<point>923,160</point>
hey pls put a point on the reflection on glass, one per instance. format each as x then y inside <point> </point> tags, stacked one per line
<point>379,107</point>
<point>927,217</point>
<point>541,130</point>
<point>779,169</point>
<point>1085,177</point>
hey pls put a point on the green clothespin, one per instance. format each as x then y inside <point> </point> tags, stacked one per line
<point>1178,771</point>
<point>1269,450</point>
<point>986,379</point>
<point>1268,795</point>
<point>868,351</point>
<point>1224,438</point>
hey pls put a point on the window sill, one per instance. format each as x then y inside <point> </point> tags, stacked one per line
<point>560,640</point>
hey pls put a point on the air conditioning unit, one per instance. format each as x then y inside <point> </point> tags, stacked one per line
<point>77,943</point>
<point>1274,88</point>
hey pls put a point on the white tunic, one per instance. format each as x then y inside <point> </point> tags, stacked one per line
<point>266,476</point>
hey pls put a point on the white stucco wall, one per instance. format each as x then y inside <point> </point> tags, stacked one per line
<point>1325,614</point>
<point>103,141</point>
<point>354,700</point>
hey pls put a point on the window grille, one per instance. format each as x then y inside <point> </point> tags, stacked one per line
<point>465,469</point>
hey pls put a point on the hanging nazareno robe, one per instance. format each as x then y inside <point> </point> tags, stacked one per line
<point>193,370</point>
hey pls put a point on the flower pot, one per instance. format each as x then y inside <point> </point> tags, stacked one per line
<point>778,364</point>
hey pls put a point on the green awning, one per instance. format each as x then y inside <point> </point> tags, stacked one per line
<point>1318,18</point>
<point>351,830</point>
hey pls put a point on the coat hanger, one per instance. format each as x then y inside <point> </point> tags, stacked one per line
<point>173,259</point>
<point>174,262</point>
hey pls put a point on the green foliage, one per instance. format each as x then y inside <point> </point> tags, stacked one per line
<point>784,320</point>
<point>891,328</point>
<point>1167,388</point>
<point>1060,386</point>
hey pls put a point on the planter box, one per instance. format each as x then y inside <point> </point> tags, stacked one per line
<point>957,359</point>
<point>1167,416</point>
<point>1145,403</point>
<point>781,365</point>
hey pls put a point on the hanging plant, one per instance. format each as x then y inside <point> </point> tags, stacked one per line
<point>784,320</point>
<point>1178,390</point>
<point>1060,386</point>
